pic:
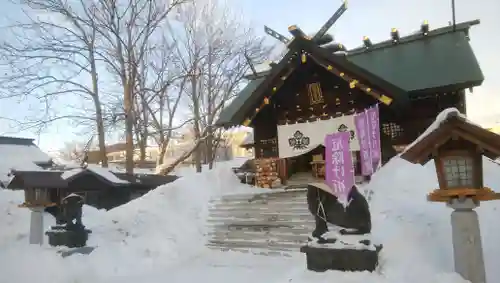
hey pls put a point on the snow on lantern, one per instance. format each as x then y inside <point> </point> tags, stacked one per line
<point>457,147</point>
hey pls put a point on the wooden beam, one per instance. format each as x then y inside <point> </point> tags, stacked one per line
<point>477,141</point>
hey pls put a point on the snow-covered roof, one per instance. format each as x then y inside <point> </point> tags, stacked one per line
<point>20,154</point>
<point>440,119</point>
<point>436,134</point>
<point>102,172</point>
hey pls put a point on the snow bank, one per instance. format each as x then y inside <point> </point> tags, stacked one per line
<point>414,230</point>
<point>166,225</point>
<point>161,236</point>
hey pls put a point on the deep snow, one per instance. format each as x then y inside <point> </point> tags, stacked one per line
<point>160,236</point>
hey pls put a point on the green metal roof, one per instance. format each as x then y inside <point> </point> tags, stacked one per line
<point>415,64</point>
<point>431,62</point>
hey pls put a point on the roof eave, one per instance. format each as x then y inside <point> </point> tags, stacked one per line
<point>420,152</point>
<point>239,117</point>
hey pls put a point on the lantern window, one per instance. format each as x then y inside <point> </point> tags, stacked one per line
<point>458,171</point>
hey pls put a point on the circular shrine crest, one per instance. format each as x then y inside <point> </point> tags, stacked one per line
<point>344,128</point>
<point>299,141</point>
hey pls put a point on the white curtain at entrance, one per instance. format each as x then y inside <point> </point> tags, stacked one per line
<point>300,138</point>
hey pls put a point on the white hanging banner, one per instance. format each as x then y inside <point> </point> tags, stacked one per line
<point>300,138</point>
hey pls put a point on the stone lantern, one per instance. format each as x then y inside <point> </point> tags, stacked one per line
<point>38,195</point>
<point>36,199</point>
<point>457,147</point>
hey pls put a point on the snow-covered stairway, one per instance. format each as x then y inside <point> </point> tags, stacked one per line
<point>269,223</point>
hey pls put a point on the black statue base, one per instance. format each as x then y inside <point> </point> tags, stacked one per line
<point>346,253</point>
<point>74,237</point>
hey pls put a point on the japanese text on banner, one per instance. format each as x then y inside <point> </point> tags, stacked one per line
<point>362,128</point>
<point>374,140</point>
<point>339,175</point>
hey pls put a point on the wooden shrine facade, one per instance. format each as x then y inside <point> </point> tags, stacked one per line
<point>412,79</point>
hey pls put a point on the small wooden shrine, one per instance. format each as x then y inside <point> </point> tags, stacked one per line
<point>412,78</point>
<point>100,187</point>
<point>457,147</point>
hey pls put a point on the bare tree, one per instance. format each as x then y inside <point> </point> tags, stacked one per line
<point>52,56</point>
<point>72,151</point>
<point>158,94</point>
<point>127,29</point>
<point>213,55</point>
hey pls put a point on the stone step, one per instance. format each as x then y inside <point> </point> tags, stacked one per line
<point>258,210</point>
<point>291,230</point>
<point>276,222</point>
<point>269,196</point>
<point>274,246</point>
<point>259,205</point>
<point>256,201</point>
<point>260,213</point>
<point>255,251</point>
<point>262,217</point>
<point>249,235</point>
<point>261,223</point>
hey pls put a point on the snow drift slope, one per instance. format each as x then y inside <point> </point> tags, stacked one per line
<point>163,226</point>
<point>414,230</point>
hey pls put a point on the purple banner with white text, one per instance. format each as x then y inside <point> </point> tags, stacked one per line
<point>339,173</point>
<point>362,129</point>
<point>374,135</point>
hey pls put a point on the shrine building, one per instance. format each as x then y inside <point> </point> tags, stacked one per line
<point>318,84</point>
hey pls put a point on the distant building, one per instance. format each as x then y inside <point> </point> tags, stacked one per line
<point>229,148</point>
<point>21,154</point>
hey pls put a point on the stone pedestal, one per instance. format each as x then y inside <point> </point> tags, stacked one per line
<point>341,254</point>
<point>36,226</point>
<point>71,238</point>
<point>467,248</point>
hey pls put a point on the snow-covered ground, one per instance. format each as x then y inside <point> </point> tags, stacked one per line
<point>160,237</point>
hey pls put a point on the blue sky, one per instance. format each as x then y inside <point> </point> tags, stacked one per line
<point>363,17</point>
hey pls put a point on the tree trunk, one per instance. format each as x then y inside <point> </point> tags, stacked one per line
<point>196,124</point>
<point>169,168</point>
<point>163,147</point>
<point>142,148</point>
<point>98,112</point>
<point>161,154</point>
<point>210,147</point>
<point>144,132</point>
<point>129,129</point>
<point>100,132</point>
